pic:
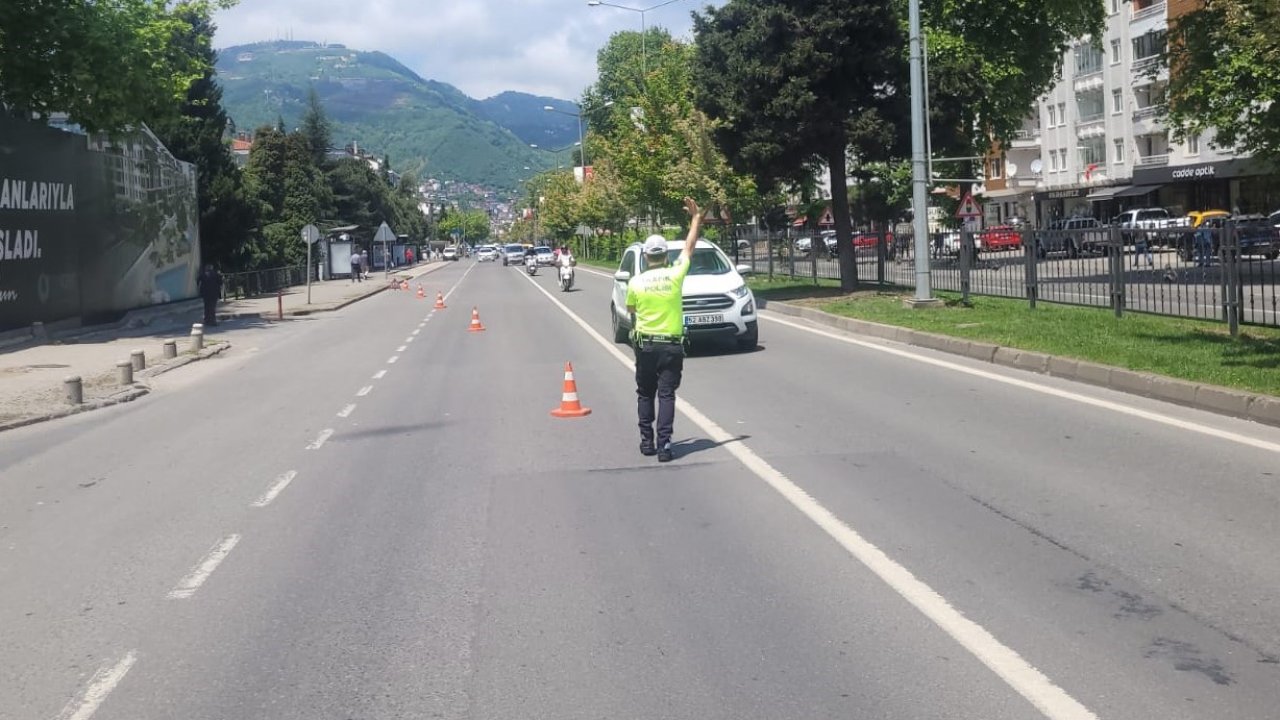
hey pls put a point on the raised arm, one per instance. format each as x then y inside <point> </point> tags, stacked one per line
<point>695,224</point>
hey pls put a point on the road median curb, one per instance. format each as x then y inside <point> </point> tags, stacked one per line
<point>123,395</point>
<point>1225,401</point>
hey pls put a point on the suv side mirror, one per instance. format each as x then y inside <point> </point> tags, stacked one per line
<point>622,276</point>
<point>743,269</point>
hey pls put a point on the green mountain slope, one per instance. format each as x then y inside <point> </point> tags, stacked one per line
<point>523,114</point>
<point>424,126</point>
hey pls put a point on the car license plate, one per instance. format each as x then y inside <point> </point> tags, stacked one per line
<point>703,319</point>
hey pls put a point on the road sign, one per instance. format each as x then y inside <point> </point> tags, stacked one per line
<point>384,234</point>
<point>310,234</point>
<point>968,208</point>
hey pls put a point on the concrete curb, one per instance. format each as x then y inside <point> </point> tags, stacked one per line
<point>1225,401</point>
<point>305,311</point>
<point>129,394</point>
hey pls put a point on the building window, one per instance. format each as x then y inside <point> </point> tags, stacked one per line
<point>1193,145</point>
<point>1062,155</point>
<point>1117,102</point>
<point>1115,52</point>
<point>1149,46</point>
<point>1062,113</point>
<point>1118,158</point>
<point>1088,59</point>
<point>994,171</point>
<point>1115,6</point>
<point>1053,116</point>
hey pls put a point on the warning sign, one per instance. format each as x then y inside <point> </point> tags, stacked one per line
<point>968,208</point>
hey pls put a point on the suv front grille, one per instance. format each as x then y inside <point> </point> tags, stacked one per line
<point>707,303</point>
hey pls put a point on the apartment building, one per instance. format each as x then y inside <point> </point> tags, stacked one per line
<point>1095,144</point>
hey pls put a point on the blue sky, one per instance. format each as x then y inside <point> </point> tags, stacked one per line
<point>545,47</point>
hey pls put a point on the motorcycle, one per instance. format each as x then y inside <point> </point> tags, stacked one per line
<point>531,265</point>
<point>566,278</point>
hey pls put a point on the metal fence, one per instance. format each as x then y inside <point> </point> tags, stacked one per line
<point>261,282</point>
<point>1226,272</point>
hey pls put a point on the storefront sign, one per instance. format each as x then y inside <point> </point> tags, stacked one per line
<point>1061,194</point>
<point>1223,170</point>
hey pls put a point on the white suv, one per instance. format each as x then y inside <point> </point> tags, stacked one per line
<point>717,302</point>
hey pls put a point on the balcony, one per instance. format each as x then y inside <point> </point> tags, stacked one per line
<point>1145,66</point>
<point>1025,139</point>
<point>1149,111</point>
<point>1152,10</point>
<point>1153,160</point>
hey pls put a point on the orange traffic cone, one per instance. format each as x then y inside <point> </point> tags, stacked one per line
<point>422,294</point>
<point>475,322</point>
<point>440,301</point>
<point>569,405</point>
<point>404,284</point>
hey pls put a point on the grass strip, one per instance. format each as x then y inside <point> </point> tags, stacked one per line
<point>1196,350</point>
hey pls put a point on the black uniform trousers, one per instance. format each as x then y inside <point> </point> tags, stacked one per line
<point>659,366</point>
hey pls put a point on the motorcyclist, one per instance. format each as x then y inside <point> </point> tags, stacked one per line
<point>565,260</point>
<point>531,263</point>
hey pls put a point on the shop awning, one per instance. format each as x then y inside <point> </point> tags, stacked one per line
<point>1007,192</point>
<point>1107,193</point>
<point>1135,190</point>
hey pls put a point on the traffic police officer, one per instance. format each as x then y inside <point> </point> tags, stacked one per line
<point>656,305</point>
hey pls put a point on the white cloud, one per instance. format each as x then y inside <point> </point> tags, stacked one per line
<point>483,47</point>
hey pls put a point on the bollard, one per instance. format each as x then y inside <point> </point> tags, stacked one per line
<point>139,360</point>
<point>197,339</point>
<point>75,391</point>
<point>38,332</point>
<point>125,370</point>
<point>170,349</point>
<point>280,304</point>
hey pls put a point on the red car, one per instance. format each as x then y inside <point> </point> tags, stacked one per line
<point>1001,237</point>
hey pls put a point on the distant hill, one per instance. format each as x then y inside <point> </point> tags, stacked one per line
<point>423,125</point>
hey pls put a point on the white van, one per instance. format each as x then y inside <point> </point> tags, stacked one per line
<point>718,305</point>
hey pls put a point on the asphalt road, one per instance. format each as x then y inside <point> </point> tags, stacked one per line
<point>309,529</point>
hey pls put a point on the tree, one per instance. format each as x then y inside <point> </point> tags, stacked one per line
<point>193,131</point>
<point>316,129</point>
<point>108,65</point>
<point>291,192</point>
<point>1224,75</point>
<point>793,84</point>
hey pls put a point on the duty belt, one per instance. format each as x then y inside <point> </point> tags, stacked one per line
<point>668,339</point>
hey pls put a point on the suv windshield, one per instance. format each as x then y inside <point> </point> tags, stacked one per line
<point>705,261</point>
<point>514,248</point>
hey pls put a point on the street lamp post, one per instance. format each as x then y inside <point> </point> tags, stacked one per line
<point>644,58</point>
<point>582,140</point>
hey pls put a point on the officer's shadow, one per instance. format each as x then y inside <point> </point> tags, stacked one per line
<point>690,446</point>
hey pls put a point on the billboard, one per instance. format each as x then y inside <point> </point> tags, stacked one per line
<point>91,227</point>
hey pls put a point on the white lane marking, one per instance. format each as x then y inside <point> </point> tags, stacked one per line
<point>1022,676</point>
<point>1044,389</point>
<point>320,439</point>
<point>99,687</point>
<point>455,285</point>
<point>346,411</point>
<point>364,391</point>
<point>402,348</point>
<point>380,374</point>
<point>409,339</point>
<point>392,360</point>
<point>188,585</point>
<point>415,332</point>
<point>276,488</point>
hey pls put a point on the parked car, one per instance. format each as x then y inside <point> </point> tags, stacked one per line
<point>1072,236</point>
<point>1148,222</point>
<point>513,254</point>
<point>1256,235</point>
<point>867,242</point>
<point>1196,218</point>
<point>804,245</point>
<point>451,253</point>
<point>718,305</point>
<point>1000,237</point>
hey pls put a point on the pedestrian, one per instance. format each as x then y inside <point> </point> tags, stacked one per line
<point>655,303</point>
<point>210,285</point>
<point>1204,246</point>
<point>1142,248</point>
<point>356,262</point>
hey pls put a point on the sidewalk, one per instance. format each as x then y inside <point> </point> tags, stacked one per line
<point>31,375</point>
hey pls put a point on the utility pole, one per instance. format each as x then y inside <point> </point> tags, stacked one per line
<point>919,164</point>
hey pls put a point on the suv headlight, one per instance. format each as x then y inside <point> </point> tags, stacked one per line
<point>740,291</point>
